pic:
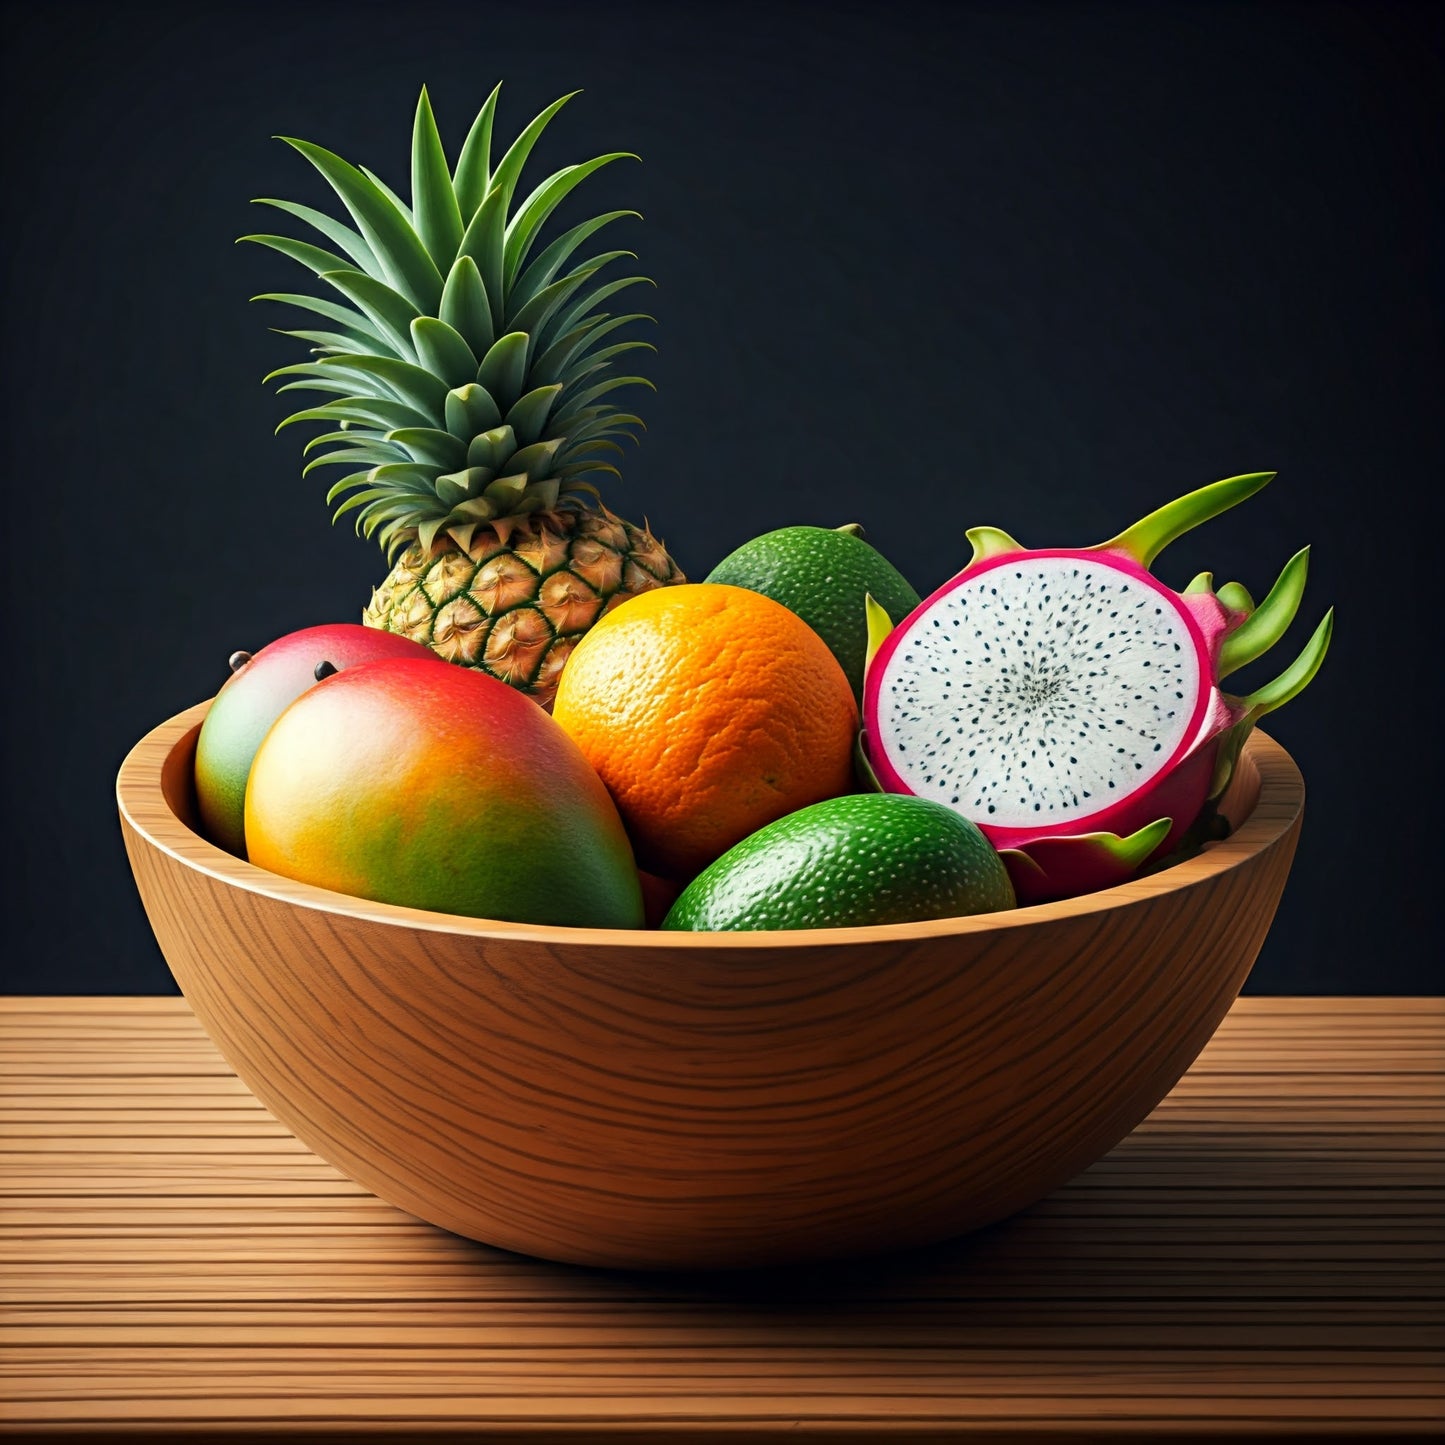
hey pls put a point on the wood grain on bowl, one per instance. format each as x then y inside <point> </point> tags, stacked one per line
<point>665,1100</point>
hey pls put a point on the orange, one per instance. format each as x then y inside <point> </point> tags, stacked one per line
<point>708,711</point>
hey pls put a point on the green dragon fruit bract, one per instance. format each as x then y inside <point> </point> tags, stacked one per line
<point>1068,702</point>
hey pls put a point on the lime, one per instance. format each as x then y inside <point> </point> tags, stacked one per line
<point>861,859</point>
<point>823,576</point>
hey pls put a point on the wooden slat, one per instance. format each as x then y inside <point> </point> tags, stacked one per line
<point>1260,1259</point>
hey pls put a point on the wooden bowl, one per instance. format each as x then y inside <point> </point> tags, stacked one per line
<point>665,1100</point>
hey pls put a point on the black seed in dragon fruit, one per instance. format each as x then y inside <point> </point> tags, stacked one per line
<point>1069,703</point>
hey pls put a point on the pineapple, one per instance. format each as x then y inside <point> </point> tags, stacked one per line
<point>472,401</point>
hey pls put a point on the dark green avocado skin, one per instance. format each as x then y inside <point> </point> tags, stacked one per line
<point>866,858</point>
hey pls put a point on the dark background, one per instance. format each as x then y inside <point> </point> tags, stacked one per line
<point>921,266</point>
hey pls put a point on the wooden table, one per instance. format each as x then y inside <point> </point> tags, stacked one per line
<point>1260,1259</point>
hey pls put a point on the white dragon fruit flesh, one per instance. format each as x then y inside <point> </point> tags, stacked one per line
<point>1068,702</point>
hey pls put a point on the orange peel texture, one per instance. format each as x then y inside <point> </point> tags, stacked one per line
<point>709,711</point>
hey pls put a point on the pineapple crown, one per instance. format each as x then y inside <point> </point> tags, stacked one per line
<point>468,377</point>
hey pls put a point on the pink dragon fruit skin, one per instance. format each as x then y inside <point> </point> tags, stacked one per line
<point>1086,847</point>
<point>1052,868</point>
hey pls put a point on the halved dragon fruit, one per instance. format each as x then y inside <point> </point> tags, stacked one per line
<point>1068,702</point>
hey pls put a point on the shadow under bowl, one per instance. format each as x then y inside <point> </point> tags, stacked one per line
<point>665,1100</point>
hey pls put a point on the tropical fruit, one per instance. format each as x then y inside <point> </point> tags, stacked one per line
<point>1069,703</point>
<point>258,691</point>
<point>869,858</point>
<point>823,574</point>
<point>436,787</point>
<point>658,895</point>
<point>473,400</point>
<point>708,711</point>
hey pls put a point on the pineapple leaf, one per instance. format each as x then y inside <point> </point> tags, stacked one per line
<point>412,384</point>
<point>615,423</point>
<point>383,502</point>
<point>427,444</point>
<point>358,499</point>
<point>534,211</point>
<point>474,165</point>
<point>329,368</point>
<point>491,448</point>
<point>546,266</point>
<point>549,365</point>
<point>471,409</point>
<point>374,411</point>
<point>441,350</point>
<point>574,488</point>
<point>485,242</point>
<point>564,321</point>
<point>342,315</point>
<point>405,507</point>
<point>504,179</point>
<point>536,460</point>
<point>596,444</point>
<point>479,509</point>
<point>529,415</point>
<point>395,539</point>
<point>360,503</point>
<point>323,341</point>
<point>438,217</point>
<point>382,223</point>
<point>505,492</point>
<point>426,533</point>
<point>403,209</point>
<point>619,347</point>
<point>391,313</point>
<point>343,389</point>
<point>358,456</point>
<point>458,486</point>
<point>331,228</point>
<point>599,467</point>
<point>570,471</point>
<point>464,306</point>
<point>335,382</point>
<point>397,497</point>
<point>604,422</point>
<point>504,367</point>
<point>579,462</point>
<point>592,362</point>
<point>413,477</point>
<point>463,535</point>
<point>533,317</point>
<point>312,257</point>
<point>553,363</point>
<point>477,478</point>
<point>351,434</point>
<point>591,393</point>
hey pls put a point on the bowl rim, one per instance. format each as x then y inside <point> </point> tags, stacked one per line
<point>143,807</point>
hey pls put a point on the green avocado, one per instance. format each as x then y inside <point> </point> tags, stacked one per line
<point>862,859</point>
<point>822,574</point>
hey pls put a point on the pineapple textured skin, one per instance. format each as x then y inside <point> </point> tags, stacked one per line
<point>515,610</point>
